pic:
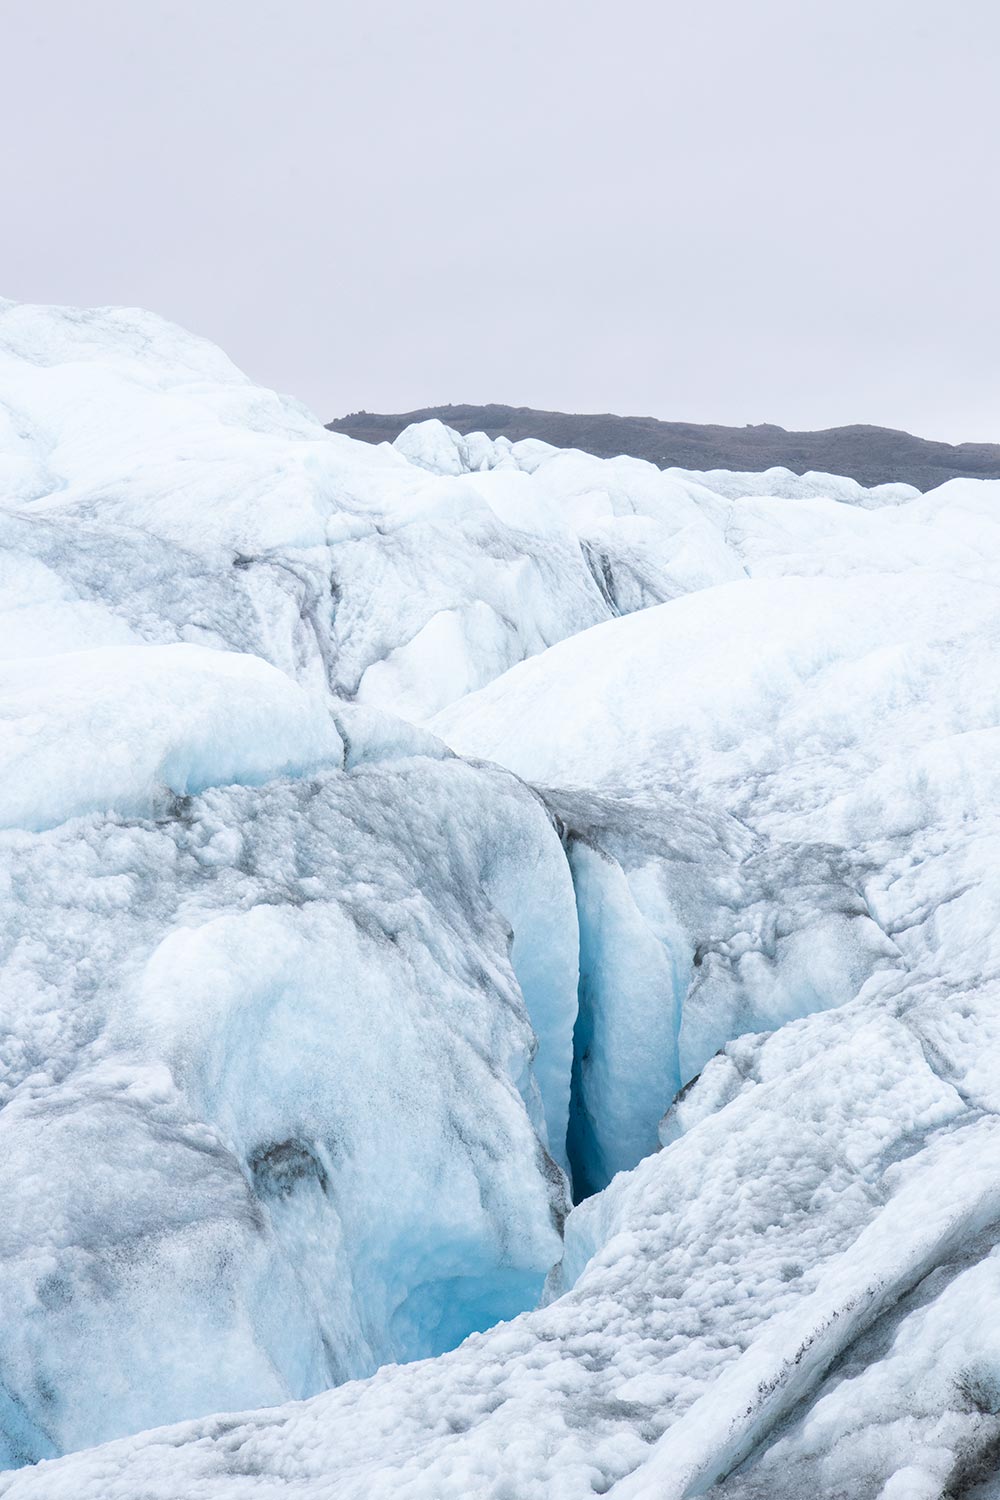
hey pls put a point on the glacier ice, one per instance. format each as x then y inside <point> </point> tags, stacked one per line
<point>397,840</point>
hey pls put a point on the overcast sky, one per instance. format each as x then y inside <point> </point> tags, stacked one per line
<point>739,211</point>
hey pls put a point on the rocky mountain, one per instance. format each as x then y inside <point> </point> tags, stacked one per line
<point>871,455</point>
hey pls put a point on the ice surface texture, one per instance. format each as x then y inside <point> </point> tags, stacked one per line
<point>392,839</point>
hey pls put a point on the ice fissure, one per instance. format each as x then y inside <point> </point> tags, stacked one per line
<point>625,1066</point>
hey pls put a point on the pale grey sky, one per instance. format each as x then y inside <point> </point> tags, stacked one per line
<point>717,210</point>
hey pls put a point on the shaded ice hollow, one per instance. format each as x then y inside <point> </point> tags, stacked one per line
<point>399,844</point>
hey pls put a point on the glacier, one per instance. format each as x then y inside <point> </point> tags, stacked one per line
<point>499,971</point>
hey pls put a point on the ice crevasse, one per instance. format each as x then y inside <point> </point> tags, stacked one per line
<point>399,843</point>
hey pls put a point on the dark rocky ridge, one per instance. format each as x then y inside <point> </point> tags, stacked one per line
<point>872,455</point>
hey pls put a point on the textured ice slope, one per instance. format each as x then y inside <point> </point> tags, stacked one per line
<point>825,1237</point>
<point>302,1015</point>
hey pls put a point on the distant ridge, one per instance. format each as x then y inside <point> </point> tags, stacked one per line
<point>871,455</point>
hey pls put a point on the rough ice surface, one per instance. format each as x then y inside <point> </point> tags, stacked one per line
<point>398,842</point>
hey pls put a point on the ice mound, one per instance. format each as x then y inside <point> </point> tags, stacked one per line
<point>241,1042</point>
<point>172,500</point>
<point>127,727</point>
<point>125,436</point>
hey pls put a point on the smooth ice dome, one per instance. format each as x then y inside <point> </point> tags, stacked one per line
<point>401,845</point>
<point>120,727</point>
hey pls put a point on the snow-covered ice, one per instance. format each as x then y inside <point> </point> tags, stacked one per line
<point>399,843</point>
